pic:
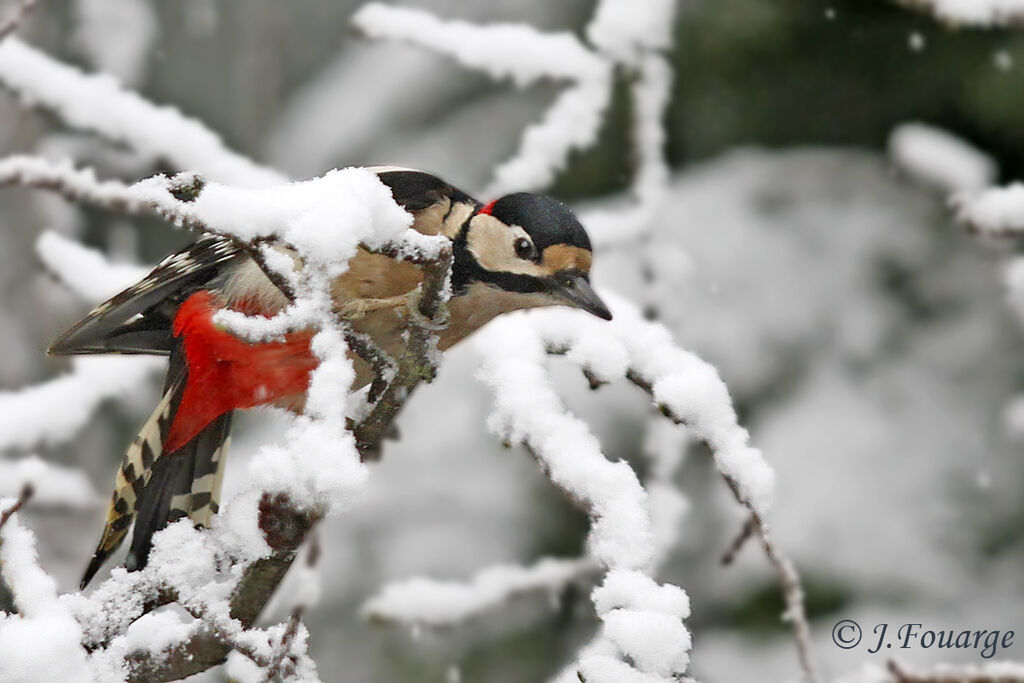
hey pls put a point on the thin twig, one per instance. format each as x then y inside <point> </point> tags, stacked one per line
<point>15,20</point>
<point>282,658</point>
<point>23,497</point>
<point>746,531</point>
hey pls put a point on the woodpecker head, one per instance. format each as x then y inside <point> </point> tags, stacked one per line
<point>530,245</point>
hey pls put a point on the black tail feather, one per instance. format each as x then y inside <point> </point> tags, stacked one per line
<point>169,495</point>
<point>156,488</point>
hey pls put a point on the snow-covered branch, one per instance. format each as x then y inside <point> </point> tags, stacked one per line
<point>624,36</point>
<point>684,388</point>
<point>98,104</point>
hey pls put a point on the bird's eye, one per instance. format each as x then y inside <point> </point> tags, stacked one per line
<point>525,249</point>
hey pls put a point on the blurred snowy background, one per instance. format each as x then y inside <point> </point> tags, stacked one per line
<point>805,249</point>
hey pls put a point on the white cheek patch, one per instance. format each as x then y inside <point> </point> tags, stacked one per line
<point>492,244</point>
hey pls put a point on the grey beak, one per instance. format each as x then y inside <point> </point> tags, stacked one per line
<point>575,290</point>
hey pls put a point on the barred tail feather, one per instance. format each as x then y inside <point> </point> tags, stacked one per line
<point>159,488</point>
<point>185,483</point>
<point>131,479</point>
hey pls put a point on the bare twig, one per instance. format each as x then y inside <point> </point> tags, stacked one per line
<point>23,497</point>
<point>15,20</point>
<point>746,531</point>
<point>282,660</point>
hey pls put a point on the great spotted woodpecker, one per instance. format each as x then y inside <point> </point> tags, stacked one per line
<point>520,251</point>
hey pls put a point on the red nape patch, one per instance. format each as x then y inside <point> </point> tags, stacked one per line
<point>226,373</point>
<point>488,208</point>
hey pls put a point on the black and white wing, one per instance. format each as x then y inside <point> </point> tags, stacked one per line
<point>139,319</point>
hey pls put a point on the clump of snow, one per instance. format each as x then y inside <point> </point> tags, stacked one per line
<point>635,590</point>
<point>155,632</point>
<point>939,159</point>
<point>656,643</point>
<point>625,29</point>
<point>995,211</point>
<point>51,484</point>
<point>43,627</point>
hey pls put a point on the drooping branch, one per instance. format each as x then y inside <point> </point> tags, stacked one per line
<point>789,579</point>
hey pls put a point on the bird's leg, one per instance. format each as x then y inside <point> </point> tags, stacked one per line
<point>354,309</point>
<point>417,316</point>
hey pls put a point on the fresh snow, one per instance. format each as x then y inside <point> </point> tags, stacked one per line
<point>939,159</point>
<point>99,104</point>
